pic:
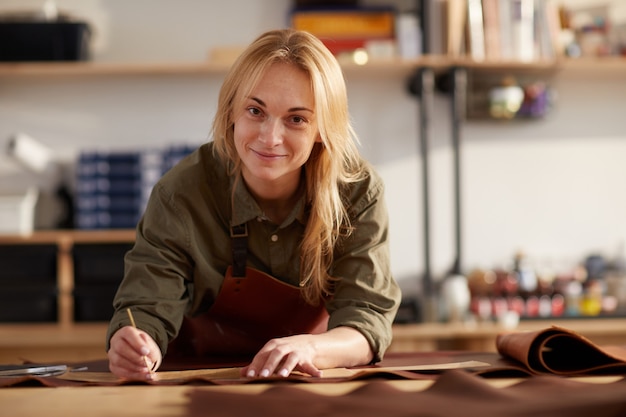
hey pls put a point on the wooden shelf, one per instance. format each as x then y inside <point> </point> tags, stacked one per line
<point>437,62</point>
<point>51,69</point>
<point>63,237</point>
<point>481,337</point>
<point>108,69</point>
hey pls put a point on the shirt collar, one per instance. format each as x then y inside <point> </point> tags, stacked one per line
<point>245,208</point>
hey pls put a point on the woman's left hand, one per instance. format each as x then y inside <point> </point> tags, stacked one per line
<point>284,355</point>
<point>307,353</point>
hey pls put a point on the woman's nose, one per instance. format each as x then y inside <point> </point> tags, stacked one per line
<point>271,132</point>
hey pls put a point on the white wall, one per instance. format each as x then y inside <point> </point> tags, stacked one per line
<point>553,188</point>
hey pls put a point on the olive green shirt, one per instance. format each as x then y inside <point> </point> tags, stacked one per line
<point>183,248</point>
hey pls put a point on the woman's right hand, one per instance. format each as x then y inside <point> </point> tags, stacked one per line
<point>129,347</point>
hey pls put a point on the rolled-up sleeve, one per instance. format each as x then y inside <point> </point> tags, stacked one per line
<point>156,271</point>
<point>366,295</point>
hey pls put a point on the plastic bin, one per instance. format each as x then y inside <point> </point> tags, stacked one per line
<point>44,41</point>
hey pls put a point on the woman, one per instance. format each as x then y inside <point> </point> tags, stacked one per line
<point>271,241</point>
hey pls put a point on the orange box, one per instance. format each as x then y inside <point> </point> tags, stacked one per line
<point>338,24</point>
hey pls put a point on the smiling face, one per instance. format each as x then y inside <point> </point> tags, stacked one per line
<point>275,130</point>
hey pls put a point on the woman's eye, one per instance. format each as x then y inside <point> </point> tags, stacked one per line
<point>298,119</point>
<point>254,111</point>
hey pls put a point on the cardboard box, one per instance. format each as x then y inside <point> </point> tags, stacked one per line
<point>17,212</point>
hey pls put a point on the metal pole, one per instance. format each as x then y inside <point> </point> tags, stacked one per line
<point>427,83</point>
<point>459,83</point>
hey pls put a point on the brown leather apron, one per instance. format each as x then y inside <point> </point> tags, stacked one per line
<point>251,308</point>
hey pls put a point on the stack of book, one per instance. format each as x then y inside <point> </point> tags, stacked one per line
<point>344,30</point>
<point>113,187</point>
<point>507,30</point>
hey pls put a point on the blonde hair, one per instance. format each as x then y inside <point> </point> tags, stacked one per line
<point>333,163</point>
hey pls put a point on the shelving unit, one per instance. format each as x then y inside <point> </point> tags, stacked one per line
<point>460,73</point>
<point>89,338</point>
<point>65,241</point>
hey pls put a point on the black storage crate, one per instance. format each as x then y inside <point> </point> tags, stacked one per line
<point>44,41</point>
<point>94,302</point>
<point>28,303</point>
<point>101,263</point>
<point>28,264</point>
<point>98,271</point>
<point>28,283</point>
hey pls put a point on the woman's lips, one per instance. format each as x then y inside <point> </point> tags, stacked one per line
<point>265,155</point>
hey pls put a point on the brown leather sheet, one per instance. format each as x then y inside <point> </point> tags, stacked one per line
<point>424,365</point>
<point>560,351</point>
<point>454,393</point>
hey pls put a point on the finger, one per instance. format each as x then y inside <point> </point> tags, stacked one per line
<point>272,363</point>
<point>154,355</point>
<point>137,339</point>
<point>124,359</point>
<point>309,368</point>
<point>264,363</point>
<point>293,362</point>
<point>253,369</point>
<point>134,347</point>
<point>145,350</point>
<point>123,367</point>
<point>127,358</point>
<point>289,363</point>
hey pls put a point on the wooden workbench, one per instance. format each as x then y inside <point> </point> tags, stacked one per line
<point>85,341</point>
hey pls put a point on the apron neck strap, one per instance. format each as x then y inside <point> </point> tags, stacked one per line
<point>239,238</point>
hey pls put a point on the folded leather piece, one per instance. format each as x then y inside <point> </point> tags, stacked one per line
<point>560,351</point>
<point>454,393</point>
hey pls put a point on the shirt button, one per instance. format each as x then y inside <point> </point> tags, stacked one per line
<point>274,238</point>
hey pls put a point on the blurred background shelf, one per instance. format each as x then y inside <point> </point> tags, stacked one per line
<point>481,337</point>
<point>76,263</point>
<point>92,68</point>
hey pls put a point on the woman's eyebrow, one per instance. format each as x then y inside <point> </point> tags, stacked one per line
<point>292,109</point>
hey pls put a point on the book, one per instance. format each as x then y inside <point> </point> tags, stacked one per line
<point>491,19</point>
<point>523,30</point>
<point>456,24</point>
<point>475,30</point>
<point>347,29</point>
<point>552,25</point>
<point>559,351</point>
<point>345,23</point>
<point>504,26</point>
<point>435,26</point>
<point>408,35</point>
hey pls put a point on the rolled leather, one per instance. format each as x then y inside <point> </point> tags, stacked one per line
<point>560,351</point>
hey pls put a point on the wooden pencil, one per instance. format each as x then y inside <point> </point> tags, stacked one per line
<point>132,322</point>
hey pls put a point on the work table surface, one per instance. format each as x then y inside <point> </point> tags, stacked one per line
<point>86,341</point>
